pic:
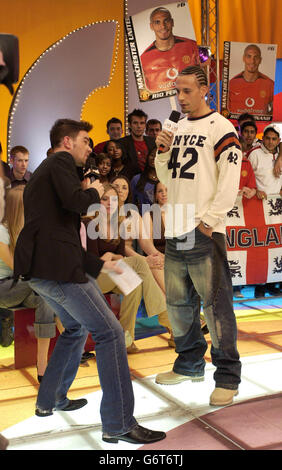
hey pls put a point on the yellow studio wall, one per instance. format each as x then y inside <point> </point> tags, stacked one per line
<point>40,23</point>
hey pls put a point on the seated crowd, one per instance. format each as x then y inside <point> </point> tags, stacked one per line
<point>125,166</point>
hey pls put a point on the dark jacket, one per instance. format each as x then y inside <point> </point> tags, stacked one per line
<point>131,155</point>
<point>49,245</point>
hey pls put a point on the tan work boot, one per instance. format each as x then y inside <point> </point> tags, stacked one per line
<point>132,349</point>
<point>170,340</point>
<point>222,396</point>
<point>172,378</point>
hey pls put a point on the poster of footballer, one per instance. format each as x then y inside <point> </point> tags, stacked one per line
<point>248,80</point>
<point>162,43</point>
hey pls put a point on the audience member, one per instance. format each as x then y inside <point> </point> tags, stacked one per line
<point>248,137</point>
<point>110,246</point>
<point>4,443</point>
<point>90,165</point>
<point>21,294</point>
<point>19,158</point>
<point>104,165</point>
<point>117,153</point>
<point>262,160</point>
<point>134,232</point>
<point>153,127</point>
<point>6,332</point>
<point>244,118</point>
<point>114,130</point>
<point>137,145</point>
<point>247,189</point>
<point>158,235</point>
<point>5,167</point>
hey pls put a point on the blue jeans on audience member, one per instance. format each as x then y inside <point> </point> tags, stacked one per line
<point>197,269</point>
<point>82,308</point>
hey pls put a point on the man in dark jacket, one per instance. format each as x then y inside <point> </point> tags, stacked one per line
<point>137,145</point>
<point>49,254</point>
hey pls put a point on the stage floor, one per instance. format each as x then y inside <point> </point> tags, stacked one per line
<point>254,421</point>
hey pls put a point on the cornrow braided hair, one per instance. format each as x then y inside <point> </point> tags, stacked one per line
<point>198,71</point>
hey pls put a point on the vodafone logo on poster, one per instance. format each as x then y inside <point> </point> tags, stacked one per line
<point>250,102</point>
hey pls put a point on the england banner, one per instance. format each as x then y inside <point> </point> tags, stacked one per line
<point>254,240</point>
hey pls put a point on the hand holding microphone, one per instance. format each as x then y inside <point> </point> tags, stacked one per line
<point>165,137</point>
<point>98,186</point>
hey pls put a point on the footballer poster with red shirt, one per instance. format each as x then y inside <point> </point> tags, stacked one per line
<point>162,43</point>
<point>248,80</point>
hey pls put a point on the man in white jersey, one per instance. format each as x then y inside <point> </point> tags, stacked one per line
<point>263,159</point>
<point>200,166</point>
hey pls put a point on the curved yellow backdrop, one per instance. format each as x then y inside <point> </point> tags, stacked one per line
<point>39,23</point>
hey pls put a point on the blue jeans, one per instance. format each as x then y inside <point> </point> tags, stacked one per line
<point>194,273</point>
<point>22,295</point>
<point>82,308</point>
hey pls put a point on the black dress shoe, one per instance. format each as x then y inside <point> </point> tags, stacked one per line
<point>71,406</point>
<point>74,405</point>
<point>259,291</point>
<point>85,356</point>
<point>43,413</point>
<point>138,435</point>
<point>272,289</point>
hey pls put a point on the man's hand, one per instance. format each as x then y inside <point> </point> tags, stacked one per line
<point>165,139</point>
<point>85,183</point>
<point>108,256</point>
<point>111,266</point>
<point>206,231</point>
<point>98,186</point>
<point>248,192</point>
<point>155,261</point>
<point>277,170</point>
<point>261,194</point>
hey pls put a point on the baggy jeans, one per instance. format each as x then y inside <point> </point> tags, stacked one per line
<point>196,268</point>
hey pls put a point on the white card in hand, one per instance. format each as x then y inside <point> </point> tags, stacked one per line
<point>128,280</point>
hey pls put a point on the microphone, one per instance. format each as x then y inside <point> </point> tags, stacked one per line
<point>170,125</point>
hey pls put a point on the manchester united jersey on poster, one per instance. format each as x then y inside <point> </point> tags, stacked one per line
<point>162,67</point>
<point>251,97</point>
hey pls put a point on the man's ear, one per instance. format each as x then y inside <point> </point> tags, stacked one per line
<point>204,90</point>
<point>67,142</point>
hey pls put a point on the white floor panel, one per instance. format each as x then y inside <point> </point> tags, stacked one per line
<point>157,406</point>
